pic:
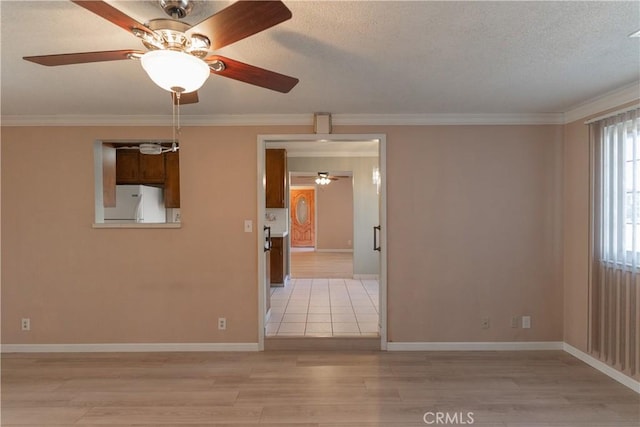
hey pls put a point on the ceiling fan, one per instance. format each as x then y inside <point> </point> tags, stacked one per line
<point>178,55</point>
<point>323,178</point>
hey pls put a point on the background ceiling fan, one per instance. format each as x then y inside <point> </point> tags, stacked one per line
<point>322,178</point>
<point>170,40</point>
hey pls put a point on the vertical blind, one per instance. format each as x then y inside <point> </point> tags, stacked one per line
<point>619,190</point>
<point>614,335</point>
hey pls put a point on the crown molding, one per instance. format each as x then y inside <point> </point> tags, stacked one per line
<point>159,120</point>
<point>285,119</point>
<point>606,101</point>
<point>448,119</point>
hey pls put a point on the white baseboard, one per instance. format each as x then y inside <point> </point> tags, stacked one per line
<point>603,367</point>
<point>365,276</point>
<point>137,347</point>
<point>335,250</point>
<point>474,346</point>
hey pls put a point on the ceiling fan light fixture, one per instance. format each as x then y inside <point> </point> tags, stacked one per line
<point>175,71</point>
<point>150,148</point>
<point>323,178</point>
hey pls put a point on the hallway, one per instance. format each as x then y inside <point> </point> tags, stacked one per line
<point>307,263</point>
<point>324,308</point>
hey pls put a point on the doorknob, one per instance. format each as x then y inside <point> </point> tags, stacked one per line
<point>376,244</point>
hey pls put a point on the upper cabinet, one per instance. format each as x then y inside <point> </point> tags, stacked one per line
<point>172,180</point>
<point>160,170</point>
<point>132,167</point>
<point>276,178</point>
<point>108,175</point>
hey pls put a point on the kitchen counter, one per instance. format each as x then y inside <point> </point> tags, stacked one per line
<point>283,234</point>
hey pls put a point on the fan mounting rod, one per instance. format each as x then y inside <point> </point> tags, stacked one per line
<point>176,9</point>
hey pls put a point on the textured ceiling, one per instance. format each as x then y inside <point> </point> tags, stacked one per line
<point>363,57</point>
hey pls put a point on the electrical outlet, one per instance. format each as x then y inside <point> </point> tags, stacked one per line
<point>26,324</point>
<point>222,323</point>
<point>514,322</point>
<point>526,322</point>
<point>485,323</point>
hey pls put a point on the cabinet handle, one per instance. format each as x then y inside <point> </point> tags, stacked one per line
<point>268,242</point>
<point>376,245</point>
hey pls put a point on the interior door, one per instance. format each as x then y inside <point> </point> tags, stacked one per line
<point>303,218</point>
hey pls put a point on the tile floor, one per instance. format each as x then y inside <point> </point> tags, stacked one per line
<point>324,308</point>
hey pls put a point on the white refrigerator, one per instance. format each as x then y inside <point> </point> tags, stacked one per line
<point>137,203</point>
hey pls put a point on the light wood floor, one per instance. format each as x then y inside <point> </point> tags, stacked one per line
<point>312,389</point>
<point>311,264</point>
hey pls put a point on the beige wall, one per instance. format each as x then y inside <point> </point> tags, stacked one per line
<point>335,215</point>
<point>576,233</point>
<point>473,231</point>
<point>84,285</point>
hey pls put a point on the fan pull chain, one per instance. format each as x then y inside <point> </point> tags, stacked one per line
<point>173,116</point>
<point>179,128</point>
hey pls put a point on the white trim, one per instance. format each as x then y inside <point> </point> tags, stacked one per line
<point>606,101</point>
<point>613,113</point>
<point>260,223</point>
<point>294,154</point>
<point>475,346</point>
<point>137,225</point>
<point>603,367</point>
<point>335,250</point>
<point>126,347</point>
<point>382,222</point>
<point>366,276</point>
<point>285,119</point>
<point>448,119</point>
<point>158,120</point>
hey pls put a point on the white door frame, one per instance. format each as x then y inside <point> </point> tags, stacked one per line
<point>382,160</point>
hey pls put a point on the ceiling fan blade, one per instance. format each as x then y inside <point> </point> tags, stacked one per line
<point>241,19</point>
<point>81,58</point>
<point>185,98</point>
<point>253,75</point>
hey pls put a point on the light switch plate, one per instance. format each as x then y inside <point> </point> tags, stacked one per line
<point>248,226</point>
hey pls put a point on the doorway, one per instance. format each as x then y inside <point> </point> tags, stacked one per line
<point>341,306</point>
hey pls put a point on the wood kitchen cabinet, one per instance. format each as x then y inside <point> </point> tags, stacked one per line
<point>108,176</point>
<point>276,261</point>
<point>172,180</point>
<point>127,166</point>
<point>160,170</point>
<point>152,168</point>
<point>132,167</point>
<point>276,178</point>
